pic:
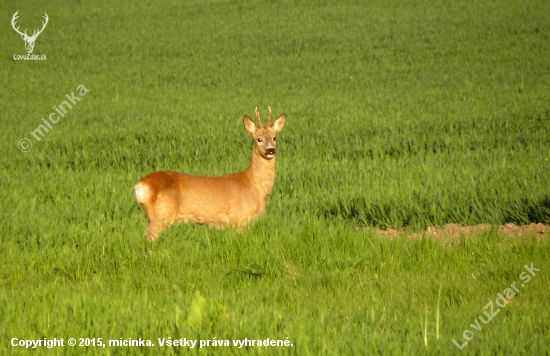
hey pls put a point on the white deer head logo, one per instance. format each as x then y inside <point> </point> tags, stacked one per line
<point>29,40</point>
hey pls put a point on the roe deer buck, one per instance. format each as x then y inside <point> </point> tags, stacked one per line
<point>233,199</point>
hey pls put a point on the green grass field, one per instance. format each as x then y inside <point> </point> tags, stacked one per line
<point>400,114</point>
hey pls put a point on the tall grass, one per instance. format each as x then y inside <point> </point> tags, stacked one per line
<point>399,114</point>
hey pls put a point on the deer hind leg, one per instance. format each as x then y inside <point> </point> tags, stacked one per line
<point>161,210</point>
<point>144,198</point>
<point>156,222</point>
<point>153,231</point>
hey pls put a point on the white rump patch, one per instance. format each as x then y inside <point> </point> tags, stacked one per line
<point>142,192</point>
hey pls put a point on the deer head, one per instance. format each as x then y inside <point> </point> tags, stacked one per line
<point>29,40</point>
<point>265,143</point>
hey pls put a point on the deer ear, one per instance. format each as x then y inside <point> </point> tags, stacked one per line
<point>249,125</point>
<point>279,123</point>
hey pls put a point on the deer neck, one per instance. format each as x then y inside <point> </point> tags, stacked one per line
<point>261,173</point>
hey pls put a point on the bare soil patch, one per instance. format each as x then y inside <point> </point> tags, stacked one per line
<point>455,231</point>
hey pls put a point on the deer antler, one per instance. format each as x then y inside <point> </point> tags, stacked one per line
<point>43,27</point>
<point>268,115</point>
<point>35,32</point>
<point>13,19</point>
<point>258,116</point>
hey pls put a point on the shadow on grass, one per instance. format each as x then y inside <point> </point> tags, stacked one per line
<point>394,215</point>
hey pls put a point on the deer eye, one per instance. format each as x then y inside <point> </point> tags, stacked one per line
<point>259,139</point>
<point>274,138</point>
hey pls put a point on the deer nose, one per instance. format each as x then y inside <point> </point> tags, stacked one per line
<point>270,151</point>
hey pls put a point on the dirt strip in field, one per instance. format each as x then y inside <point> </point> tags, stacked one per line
<point>455,231</point>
